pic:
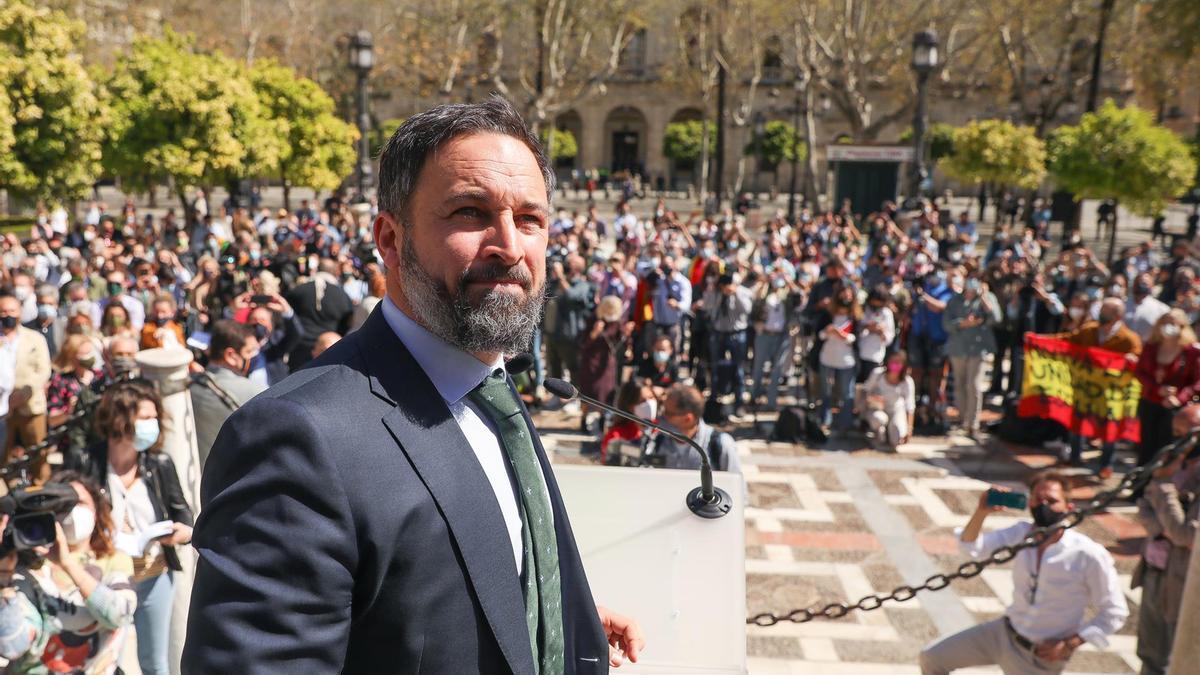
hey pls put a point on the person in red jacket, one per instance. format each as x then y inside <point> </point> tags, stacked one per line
<point>1169,370</point>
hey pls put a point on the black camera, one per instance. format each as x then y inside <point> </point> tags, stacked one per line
<point>33,511</point>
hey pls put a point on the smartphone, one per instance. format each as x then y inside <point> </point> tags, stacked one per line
<point>260,299</point>
<point>1011,500</point>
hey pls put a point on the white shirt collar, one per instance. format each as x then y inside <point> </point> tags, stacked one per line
<point>453,372</point>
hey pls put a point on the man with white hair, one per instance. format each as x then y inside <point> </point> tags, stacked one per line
<point>1110,333</point>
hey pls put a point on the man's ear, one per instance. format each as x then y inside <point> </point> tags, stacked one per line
<point>387,239</point>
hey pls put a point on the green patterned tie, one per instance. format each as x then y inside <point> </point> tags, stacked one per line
<point>543,592</point>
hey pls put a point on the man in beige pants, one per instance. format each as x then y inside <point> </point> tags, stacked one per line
<point>1053,586</point>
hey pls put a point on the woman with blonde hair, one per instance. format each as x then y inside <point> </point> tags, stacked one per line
<point>1169,370</point>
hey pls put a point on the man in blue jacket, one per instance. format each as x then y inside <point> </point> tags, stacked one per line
<point>927,340</point>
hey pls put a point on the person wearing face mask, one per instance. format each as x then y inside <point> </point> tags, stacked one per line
<point>24,374</point>
<point>22,285</point>
<point>1169,512</point>
<point>1169,370</point>
<point>118,294</point>
<point>83,579</point>
<point>1110,333</point>
<point>1054,587</point>
<point>927,340</point>
<point>888,402</point>
<point>968,321</point>
<point>1143,310</point>
<point>226,385</point>
<point>635,398</point>
<point>161,329</point>
<point>142,482</point>
<point>48,323</point>
<point>661,370</point>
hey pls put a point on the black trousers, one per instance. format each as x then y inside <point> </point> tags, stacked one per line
<point>1156,429</point>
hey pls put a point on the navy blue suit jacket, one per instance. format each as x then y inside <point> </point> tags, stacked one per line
<point>348,527</point>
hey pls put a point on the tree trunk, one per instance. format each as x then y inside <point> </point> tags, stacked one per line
<point>287,196</point>
<point>982,199</point>
<point>702,193</point>
<point>1112,235</point>
<point>188,216</point>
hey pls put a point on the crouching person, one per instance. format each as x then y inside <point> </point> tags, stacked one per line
<point>1054,586</point>
<point>888,401</point>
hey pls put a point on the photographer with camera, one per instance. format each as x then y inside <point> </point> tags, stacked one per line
<point>150,514</point>
<point>66,607</point>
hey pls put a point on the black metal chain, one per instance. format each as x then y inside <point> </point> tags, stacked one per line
<point>1134,480</point>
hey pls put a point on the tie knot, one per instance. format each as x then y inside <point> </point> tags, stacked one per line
<point>494,396</point>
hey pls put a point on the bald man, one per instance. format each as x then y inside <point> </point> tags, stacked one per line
<point>324,341</point>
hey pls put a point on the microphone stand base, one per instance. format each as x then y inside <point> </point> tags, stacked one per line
<point>719,506</point>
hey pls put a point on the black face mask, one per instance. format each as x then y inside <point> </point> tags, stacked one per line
<point>260,332</point>
<point>161,321</point>
<point>1044,516</point>
<point>8,322</point>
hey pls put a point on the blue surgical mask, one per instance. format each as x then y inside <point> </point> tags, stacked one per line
<point>145,434</point>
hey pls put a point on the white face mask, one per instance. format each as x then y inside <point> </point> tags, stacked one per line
<point>1170,330</point>
<point>646,409</point>
<point>79,524</point>
<point>1075,312</point>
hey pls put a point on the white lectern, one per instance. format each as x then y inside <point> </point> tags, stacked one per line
<point>647,556</point>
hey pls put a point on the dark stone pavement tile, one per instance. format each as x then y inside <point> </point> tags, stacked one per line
<point>783,593</point>
<point>772,495</point>
<point>773,647</point>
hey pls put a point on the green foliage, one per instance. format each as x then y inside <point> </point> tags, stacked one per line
<point>779,143</point>
<point>383,133</point>
<point>681,140</point>
<point>998,152</point>
<point>316,147</point>
<point>188,116</point>
<point>51,121</point>
<point>939,139</point>
<point>561,143</point>
<point>1120,153</point>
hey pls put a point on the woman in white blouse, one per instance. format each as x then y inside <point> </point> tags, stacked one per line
<point>838,360</point>
<point>877,330</point>
<point>888,402</point>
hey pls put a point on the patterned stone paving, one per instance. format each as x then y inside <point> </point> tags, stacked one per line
<point>838,522</point>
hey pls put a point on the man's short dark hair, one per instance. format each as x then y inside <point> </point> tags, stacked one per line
<point>228,334</point>
<point>685,398</point>
<point>404,155</point>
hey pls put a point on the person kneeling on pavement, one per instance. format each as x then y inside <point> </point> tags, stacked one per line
<point>683,410</point>
<point>888,401</point>
<point>1054,585</point>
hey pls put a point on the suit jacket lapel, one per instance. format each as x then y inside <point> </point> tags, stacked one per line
<point>435,446</point>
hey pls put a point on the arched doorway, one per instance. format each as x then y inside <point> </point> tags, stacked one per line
<point>684,172</point>
<point>572,123</point>
<point>625,129</point>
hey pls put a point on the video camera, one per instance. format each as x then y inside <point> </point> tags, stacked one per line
<point>33,511</point>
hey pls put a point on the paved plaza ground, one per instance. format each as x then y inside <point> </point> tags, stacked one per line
<point>837,522</point>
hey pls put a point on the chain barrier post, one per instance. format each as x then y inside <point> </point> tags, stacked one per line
<point>167,368</point>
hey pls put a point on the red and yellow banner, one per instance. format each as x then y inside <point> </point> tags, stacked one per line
<point>1091,391</point>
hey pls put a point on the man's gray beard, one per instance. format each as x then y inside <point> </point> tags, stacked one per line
<point>501,323</point>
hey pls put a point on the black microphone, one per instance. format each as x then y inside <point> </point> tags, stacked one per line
<point>519,363</point>
<point>706,501</point>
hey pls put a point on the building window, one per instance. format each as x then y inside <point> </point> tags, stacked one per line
<point>633,56</point>
<point>772,70</point>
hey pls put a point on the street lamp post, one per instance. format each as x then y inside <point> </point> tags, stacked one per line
<point>362,58</point>
<point>800,84</point>
<point>924,62</point>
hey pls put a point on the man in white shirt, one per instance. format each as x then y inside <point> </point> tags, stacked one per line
<point>1143,310</point>
<point>1054,585</point>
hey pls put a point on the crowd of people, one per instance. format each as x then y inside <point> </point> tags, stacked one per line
<point>899,323</point>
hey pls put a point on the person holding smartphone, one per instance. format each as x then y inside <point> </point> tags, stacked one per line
<point>1054,586</point>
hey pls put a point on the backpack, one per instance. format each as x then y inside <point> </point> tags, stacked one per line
<point>798,425</point>
<point>714,449</point>
<point>715,412</point>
